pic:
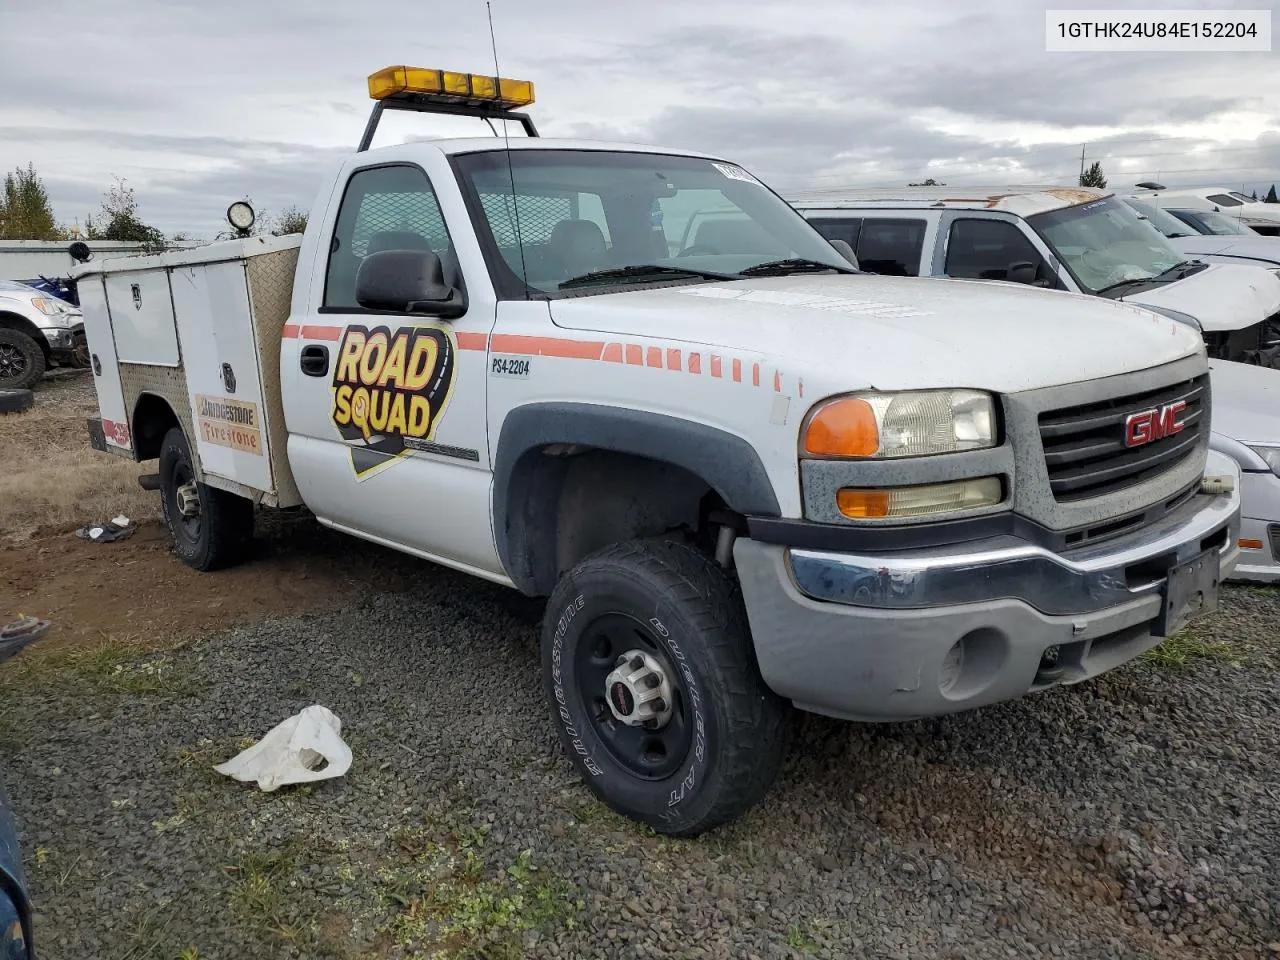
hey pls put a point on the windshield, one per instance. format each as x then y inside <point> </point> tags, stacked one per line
<point>1104,243</point>
<point>1163,221</point>
<point>632,217</point>
<point>1222,226</point>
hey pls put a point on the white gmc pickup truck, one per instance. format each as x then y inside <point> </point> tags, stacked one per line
<point>747,476</point>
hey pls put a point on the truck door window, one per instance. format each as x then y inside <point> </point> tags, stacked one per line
<point>383,208</point>
<point>984,249</point>
<point>891,246</point>
<point>840,228</point>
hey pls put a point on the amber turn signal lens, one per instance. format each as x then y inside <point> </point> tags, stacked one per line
<point>843,428</point>
<point>1250,544</point>
<point>863,504</point>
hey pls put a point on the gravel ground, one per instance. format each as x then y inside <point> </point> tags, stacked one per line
<point>1136,816</point>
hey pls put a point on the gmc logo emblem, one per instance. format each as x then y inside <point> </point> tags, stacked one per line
<point>1150,425</point>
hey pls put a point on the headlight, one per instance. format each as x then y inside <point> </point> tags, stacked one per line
<point>47,305</point>
<point>1271,455</point>
<point>914,423</point>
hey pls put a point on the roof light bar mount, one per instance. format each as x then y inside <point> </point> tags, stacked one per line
<point>420,103</point>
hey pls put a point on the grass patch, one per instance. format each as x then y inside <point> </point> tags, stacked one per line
<point>1179,651</point>
<point>53,477</point>
<point>260,896</point>
<point>799,938</point>
<point>448,901</point>
<point>118,666</point>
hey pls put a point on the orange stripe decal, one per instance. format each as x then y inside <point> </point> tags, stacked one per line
<point>715,365</point>
<point>755,374</point>
<point>612,353</point>
<point>673,359</point>
<point>314,332</point>
<point>777,381</point>
<point>635,356</point>
<point>655,357</point>
<point>695,363</point>
<point>473,341</point>
<point>547,346</point>
<point>801,389</point>
<point>290,332</point>
<point>737,370</point>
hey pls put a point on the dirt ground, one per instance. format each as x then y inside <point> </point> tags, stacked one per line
<point>136,590</point>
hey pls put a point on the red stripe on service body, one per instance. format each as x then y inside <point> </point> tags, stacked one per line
<point>673,359</point>
<point>612,353</point>
<point>737,370</point>
<point>655,357</point>
<point>777,381</point>
<point>755,374</point>
<point>313,332</point>
<point>715,365</point>
<point>635,356</point>
<point>695,363</point>
<point>547,346</point>
<point>290,331</point>
<point>473,341</point>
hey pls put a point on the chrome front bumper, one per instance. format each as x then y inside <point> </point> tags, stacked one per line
<point>1084,581</point>
<point>896,636</point>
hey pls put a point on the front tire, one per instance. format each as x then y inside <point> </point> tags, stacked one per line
<point>654,689</point>
<point>211,528</point>
<point>22,362</point>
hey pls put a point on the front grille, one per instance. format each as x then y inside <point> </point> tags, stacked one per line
<point>1084,446</point>
<point>1273,534</point>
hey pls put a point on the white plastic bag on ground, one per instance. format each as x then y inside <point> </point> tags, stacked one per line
<point>294,751</point>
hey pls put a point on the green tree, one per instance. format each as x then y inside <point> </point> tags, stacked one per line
<point>292,220</point>
<point>1254,196</point>
<point>1271,195</point>
<point>927,183</point>
<point>119,220</point>
<point>1093,177</point>
<point>25,212</point>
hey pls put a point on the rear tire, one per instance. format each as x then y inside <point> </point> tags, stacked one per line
<point>219,532</point>
<point>677,619</point>
<point>22,362</point>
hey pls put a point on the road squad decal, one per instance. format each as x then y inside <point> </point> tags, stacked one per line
<point>229,423</point>
<point>389,388</point>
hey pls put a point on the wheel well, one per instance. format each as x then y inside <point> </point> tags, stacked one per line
<point>152,419</point>
<point>576,500</point>
<point>15,321</point>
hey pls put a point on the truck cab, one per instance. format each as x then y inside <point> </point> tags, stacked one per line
<point>746,477</point>
<point>1076,239</point>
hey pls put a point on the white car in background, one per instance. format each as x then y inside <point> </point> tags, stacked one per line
<point>1244,246</point>
<point>1261,217</point>
<point>37,331</point>
<point>1245,403</point>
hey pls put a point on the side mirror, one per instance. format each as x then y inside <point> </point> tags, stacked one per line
<point>407,281</point>
<point>846,251</point>
<point>1021,272</point>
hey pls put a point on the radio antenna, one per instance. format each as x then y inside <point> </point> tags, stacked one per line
<point>506,142</point>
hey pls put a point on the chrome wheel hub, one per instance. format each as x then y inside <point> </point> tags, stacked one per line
<point>187,499</point>
<point>638,691</point>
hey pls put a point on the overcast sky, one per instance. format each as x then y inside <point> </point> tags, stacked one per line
<point>198,103</point>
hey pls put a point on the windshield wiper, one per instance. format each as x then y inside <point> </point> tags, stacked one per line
<point>1161,277</point>
<point>780,268</point>
<point>641,271</point>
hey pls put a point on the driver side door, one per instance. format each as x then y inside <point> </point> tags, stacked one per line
<point>389,441</point>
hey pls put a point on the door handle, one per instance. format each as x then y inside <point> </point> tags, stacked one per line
<point>314,360</point>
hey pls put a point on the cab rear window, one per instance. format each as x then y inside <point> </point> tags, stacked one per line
<point>886,245</point>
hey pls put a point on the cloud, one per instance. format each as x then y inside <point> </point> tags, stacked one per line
<point>198,104</point>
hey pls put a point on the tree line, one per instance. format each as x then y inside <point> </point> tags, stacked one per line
<point>27,214</point>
